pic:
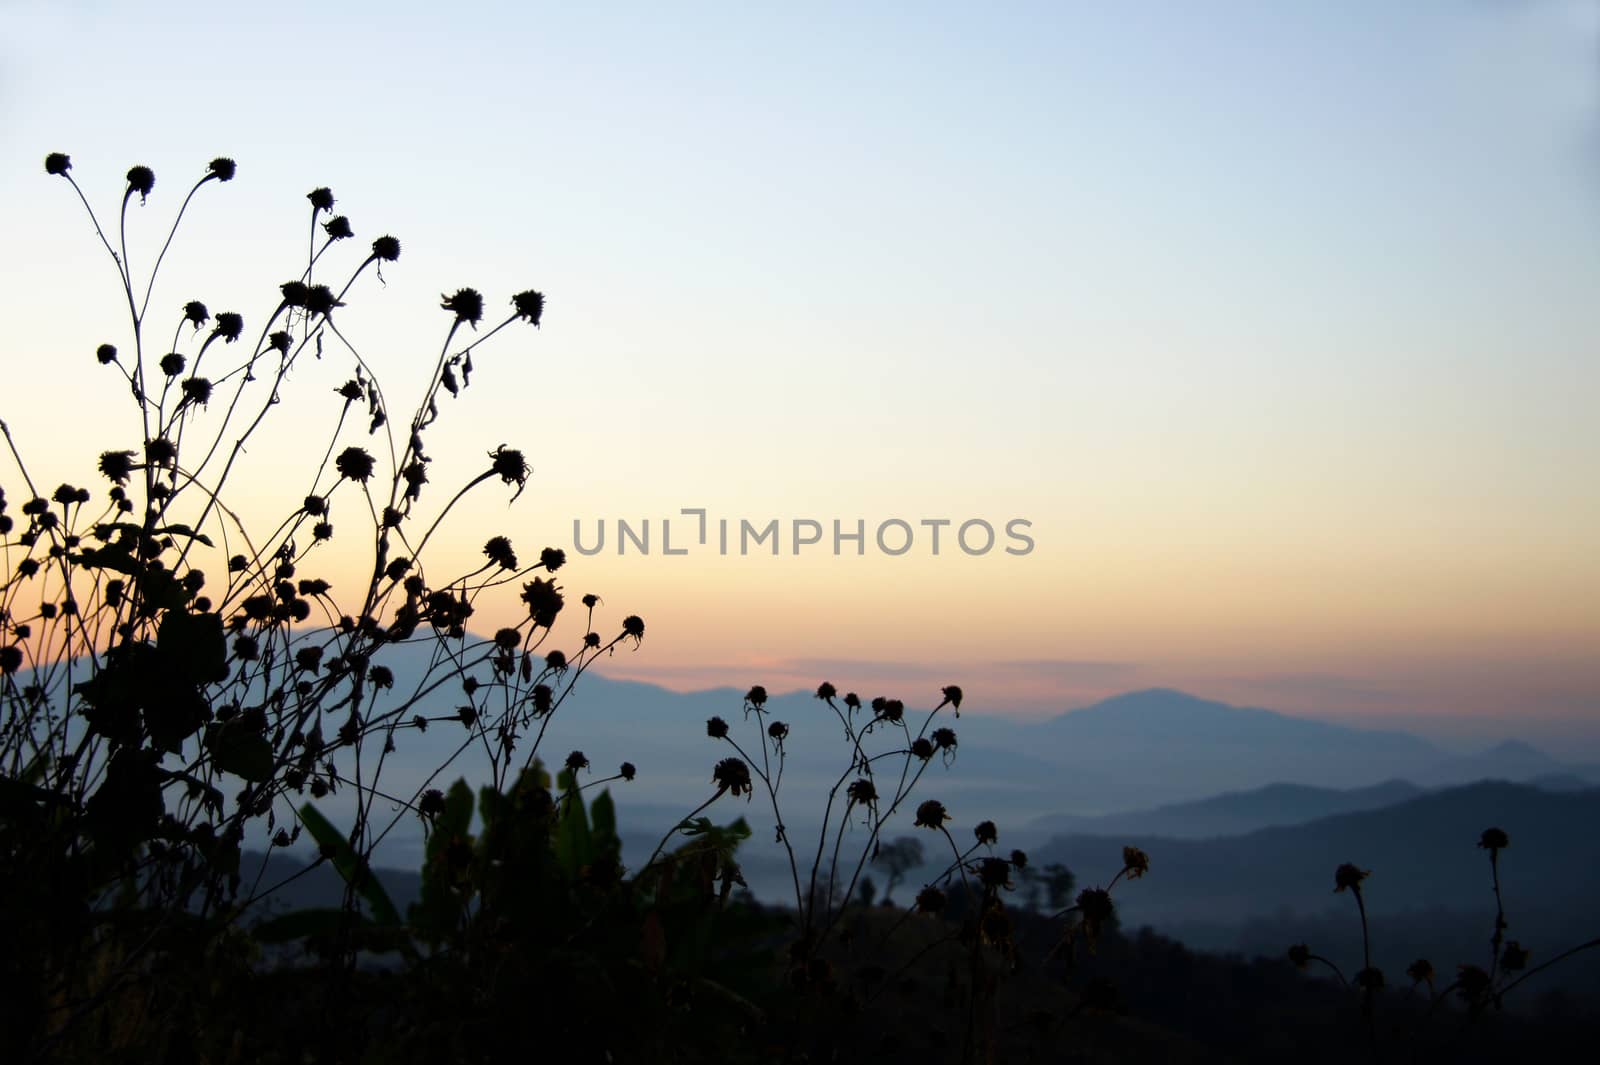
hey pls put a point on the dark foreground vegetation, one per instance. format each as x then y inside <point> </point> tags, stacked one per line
<point>180,692</point>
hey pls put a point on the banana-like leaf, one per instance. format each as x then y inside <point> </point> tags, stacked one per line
<point>352,866</point>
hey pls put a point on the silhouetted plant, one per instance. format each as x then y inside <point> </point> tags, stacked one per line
<point>173,681</point>
<point>1478,988</point>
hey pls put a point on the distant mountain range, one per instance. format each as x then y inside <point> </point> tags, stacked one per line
<point>1147,757</point>
<point>1429,892</point>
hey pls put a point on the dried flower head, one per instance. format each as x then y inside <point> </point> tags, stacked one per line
<point>197,390</point>
<point>552,558</point>
<point>195,313</point>
<point>717,728</point>
<point>141,179</point>
<point>826,691</point>
<point>1421,971</point>
<point>57,164</point>
<point>117,465</point>
<point>321,199</point>
<point>852,701</point>
<point>222,168</point>
<point>338,228</point>
<point>862,792</point>
<point>1349,876</point>
<point>931,900</point>
<point>777,731</point>
<point>627,771</point>
<point>633,626</point>
<point>544,601</point>
<point>995,873</point>
<point>355,464</point>
<point>944,739</point>
<point>509,464</point>
<point>952,695</point>
<point>1096,906</point>
<point>386,248</point>
<point>1135,862</point>
<point>756,696</point>
<point>1514,958</point>
<point>986,833</point>
<point>172,363</point>
<point>1019,859</point>
<point>931,814</point>
<point>499,551</point>
<point>529,305</point>
<point>1494,839</point>
<point>229,326</point>
<point>1370,979</point>
<point>576,761</point>
<point>160,451</point>
<point>1300,955</point>
<point>321,300</point>
<point>732,775</point>
<point>466,305</point>
<point>922,747</point>
<point>431,804</point>
<point>106,354</point>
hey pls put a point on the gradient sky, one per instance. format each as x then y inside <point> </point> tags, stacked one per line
<point>1277,321</point>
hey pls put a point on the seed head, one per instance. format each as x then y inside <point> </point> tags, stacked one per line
<point>57,164</point>
<point>386,248</point>
<point>552,558</point>
<point>732,775</point>
<point>431,804</point>
<point>106,353</point>
<point>627,772</point>
<point>499,551</point>
<point>223,168</point>
<point>117,465</point>
<point>229,326</point>
<point>466,305</point>
<point>321,199</point>
<point>529,305</point>
<point>141,179</point>
<point>931,814</point>
<point>355,464</point>
<point>717,728</point>
<point>756,696</point>
<point>1494,839</point>
<point>1135,862</point>
<point>338,228</point>
<point>1349,876</point>
<point>987,833</point>
<point>544,601</point>
<point>197,390</point>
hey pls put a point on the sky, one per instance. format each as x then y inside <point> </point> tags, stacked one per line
<point>1275,323</point>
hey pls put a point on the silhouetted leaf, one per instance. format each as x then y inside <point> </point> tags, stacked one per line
<point>350,865</point>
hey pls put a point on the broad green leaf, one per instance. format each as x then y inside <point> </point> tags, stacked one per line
<point>351,866</point>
